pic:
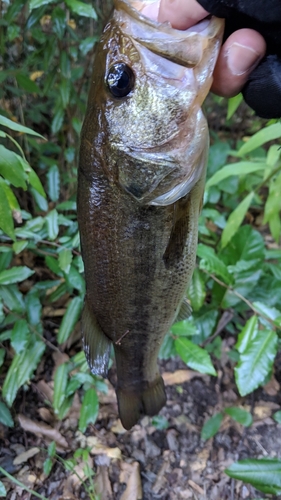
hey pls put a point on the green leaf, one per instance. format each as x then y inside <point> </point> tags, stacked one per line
<point>20,335</point>
<point>211,426</point>
<point>264,135</point>
<point>241,416</point>
<point>34,4</point>
<point>2,356</point>
<point>6,219</point>
<point>15,275</point>
<point>65,259</point>
<point>160,422</point>
<point>35,182</point>
<point>247,335</point>
<point>65,87</point>
<point>26,84</point>
<point>235,219</point>
<point>3,492</point>
<point>21,370</point>
<point>212,263</point>
<point>264,474</point>
<point>70,319</point>
<point>47,466</point>
<point>233,104</point>
<point>17,127</point>
<point>19,246</point>
<point>273,207</point>
<point>194,356</point>
<point>57,121</point>
<point>277,417</point>
<point>5,415</point>
<point>52,449</point>
<point>87,44</point>
<point>53,177</point>
<point>184,328</point>
<point>81,8</point>
<point>52,224</point>
<point>33,308</point>
<point>197,291</point>
<point>240,169</point>
<point>256,361</point>
<point>60,383</point>
<point>247,245</point>
<point>89,410</point>
<point>75,280</point>
<point>11,168</point>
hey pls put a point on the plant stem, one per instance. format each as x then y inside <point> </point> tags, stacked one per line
<point>21,485</point>
<point>241,297</point>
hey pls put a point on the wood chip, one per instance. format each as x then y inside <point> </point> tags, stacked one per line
<point>196,487</point>
<point>25,456</point>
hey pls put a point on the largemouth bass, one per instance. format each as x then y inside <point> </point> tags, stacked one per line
<point>141,178</point>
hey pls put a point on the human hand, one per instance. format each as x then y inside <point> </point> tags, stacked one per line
<point>250,58</point>
<point>240,54</point>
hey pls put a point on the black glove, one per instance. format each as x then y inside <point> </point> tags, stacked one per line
<point>263,89</point>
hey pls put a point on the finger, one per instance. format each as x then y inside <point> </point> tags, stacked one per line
<point>240,54</point>
<point>181,15</point>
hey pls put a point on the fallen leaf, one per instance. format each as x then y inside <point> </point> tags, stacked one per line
<point>102,482</point>
<point>130,474</point>
<point>117,427</point>
<point>45,390</point>
<point>179,376</point>
<point>272,388</point>
<point>42,429</point>
<point>25,456</point>
<point>46,415</point>
<point>59,358</point>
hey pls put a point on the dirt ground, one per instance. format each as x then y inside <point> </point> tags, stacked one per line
<point>145,463</point>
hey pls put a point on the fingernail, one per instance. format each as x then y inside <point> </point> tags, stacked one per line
<point>241,59</point>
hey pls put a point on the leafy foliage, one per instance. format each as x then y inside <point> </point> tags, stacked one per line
<point>264,474</point>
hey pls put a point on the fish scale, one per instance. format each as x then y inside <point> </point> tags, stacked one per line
<point>141,179</point>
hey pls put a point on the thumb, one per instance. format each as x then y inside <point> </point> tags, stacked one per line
<point>181,14</point>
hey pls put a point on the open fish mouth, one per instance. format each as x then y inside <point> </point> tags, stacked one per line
<point>161,38</point>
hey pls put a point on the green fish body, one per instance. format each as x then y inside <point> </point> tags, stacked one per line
<point>143,153</point>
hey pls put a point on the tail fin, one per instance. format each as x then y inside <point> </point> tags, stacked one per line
<point>134,403</point>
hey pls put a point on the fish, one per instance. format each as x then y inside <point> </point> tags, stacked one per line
<point>142,165</point>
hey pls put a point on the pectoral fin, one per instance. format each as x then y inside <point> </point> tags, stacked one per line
<point>96,343</point>
<point>185,311</point>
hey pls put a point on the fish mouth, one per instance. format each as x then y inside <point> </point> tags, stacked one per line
<point>184,47</point>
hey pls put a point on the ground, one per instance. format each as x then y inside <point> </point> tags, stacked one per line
<point>147,462</point>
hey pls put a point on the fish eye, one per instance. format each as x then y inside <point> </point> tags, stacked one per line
<point>120,80</point>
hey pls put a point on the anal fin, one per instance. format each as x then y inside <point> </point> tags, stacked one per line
<point>185,311</point>
<point>96,343</point>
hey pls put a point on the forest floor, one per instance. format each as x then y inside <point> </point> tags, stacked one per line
<point>146,462</point>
